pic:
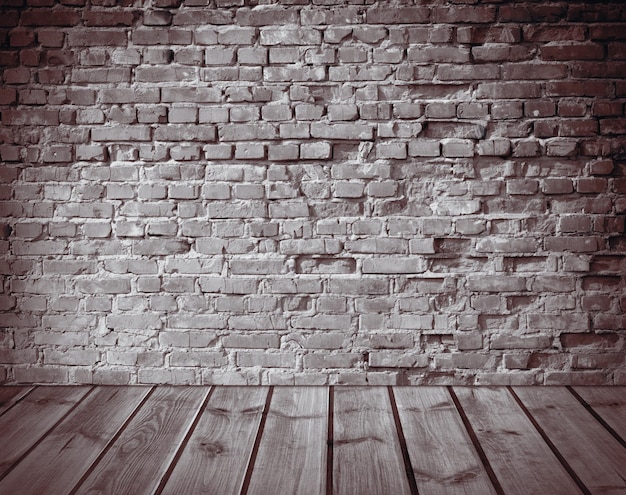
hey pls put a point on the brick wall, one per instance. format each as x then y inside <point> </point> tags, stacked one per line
<point>212,191</point>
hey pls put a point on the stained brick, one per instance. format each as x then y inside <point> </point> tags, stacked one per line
<point>397,15</point>
<point>424,190</point>
<point>50,17</point>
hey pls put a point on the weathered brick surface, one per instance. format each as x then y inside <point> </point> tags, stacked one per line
<point>313,192</point>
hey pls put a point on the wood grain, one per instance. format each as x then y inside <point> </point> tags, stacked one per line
<point>596,457</point>
<point>609,403</point>
<point>59,461</point>
<point>443,457</point>
<point>366,450</point>
<point>10,395</point>
<point>141,455</point>
<point>521,460</point>
<point>216,456</point>
<point>292,453</point>
<point>28,421</point>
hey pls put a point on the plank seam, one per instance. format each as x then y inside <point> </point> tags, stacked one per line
<point>257,443</point>
<point>597,416</point>
<point>183,444</point>
<point>549,443</point>
<point>110,443</point>
<point>408,467</point>
<point>18,400</point>
<point>329,441</point>
<point>46,433</point>
<point>474,438</point>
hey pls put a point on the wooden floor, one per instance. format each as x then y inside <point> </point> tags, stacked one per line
<point>312,440</point>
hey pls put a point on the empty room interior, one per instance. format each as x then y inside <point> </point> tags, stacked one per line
<point>316,247</point>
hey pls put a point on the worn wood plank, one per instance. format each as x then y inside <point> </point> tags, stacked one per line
<point>59,461</point>
<point>443,457</point>
<point>521,460</point>
<point>609,403</point>
<point>10,395</point>
<point>216,456</point>
<point>143,452</point>
<point>367,457</point>
<point>28,421</point>
<point>292,453</point>
<point>592,452</point>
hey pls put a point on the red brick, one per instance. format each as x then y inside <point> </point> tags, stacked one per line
<point>9,58</point>
<point>7,96</point>
<point>464,14</point>
<point>481,35</point>
<point>601,167</point>
<point>613,126</point>
<point>534,71</point>
<point>572,108</point>
<point>468,72</point>
<point>509,90</point>
<point>573,244</point>
<point>157,18</point>
<point>161,36</point>
<point>16,76</point>
<point>21,37</point>
<point>586,341</point>
<point>457,148</point>
<point>501,53</point>
<point>562,147</point>
<point>607,108</point>
<point>554,33</point>
<point>52,17</point>
<point>30,117</point>
<point>96,37</point>
<point>397,15</point>
<point>51,39</point>
<point>342,131</point>
<point>607,32</point>
<point>591,185</point>
<point>573,51</point>
<point>161,74</point>
<point>617,51</point>
<point>445,54</point>
<point>108,19</point>
<point>9,18</point>
<point>267,16</point>
<point>599,69</point>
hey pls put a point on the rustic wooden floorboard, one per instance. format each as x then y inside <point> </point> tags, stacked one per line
<point>218,452</point>
<point>292,451</point>
<point>367,454</point>
<point>609,403</point>
<point>142,454</point>
<point>312,440</point>
<point>28,421</point>
<point>61,458</point>
<point>601,462</point>
<point>9,396</point>
<point>442,454</point>
<point>521,460</point>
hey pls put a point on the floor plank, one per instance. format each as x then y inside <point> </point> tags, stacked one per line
<point>443,457</point>
<point>59,461</point>
<point>11,395</point>
<point>28,421</point>
<point>521,460</point>
<point>260,440</point>
<point>292,453</point>
<point>141,455</point>
<point>596,457</point>
<point>216,456</point>
<point>609,403</point>
<point>366,450</point>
